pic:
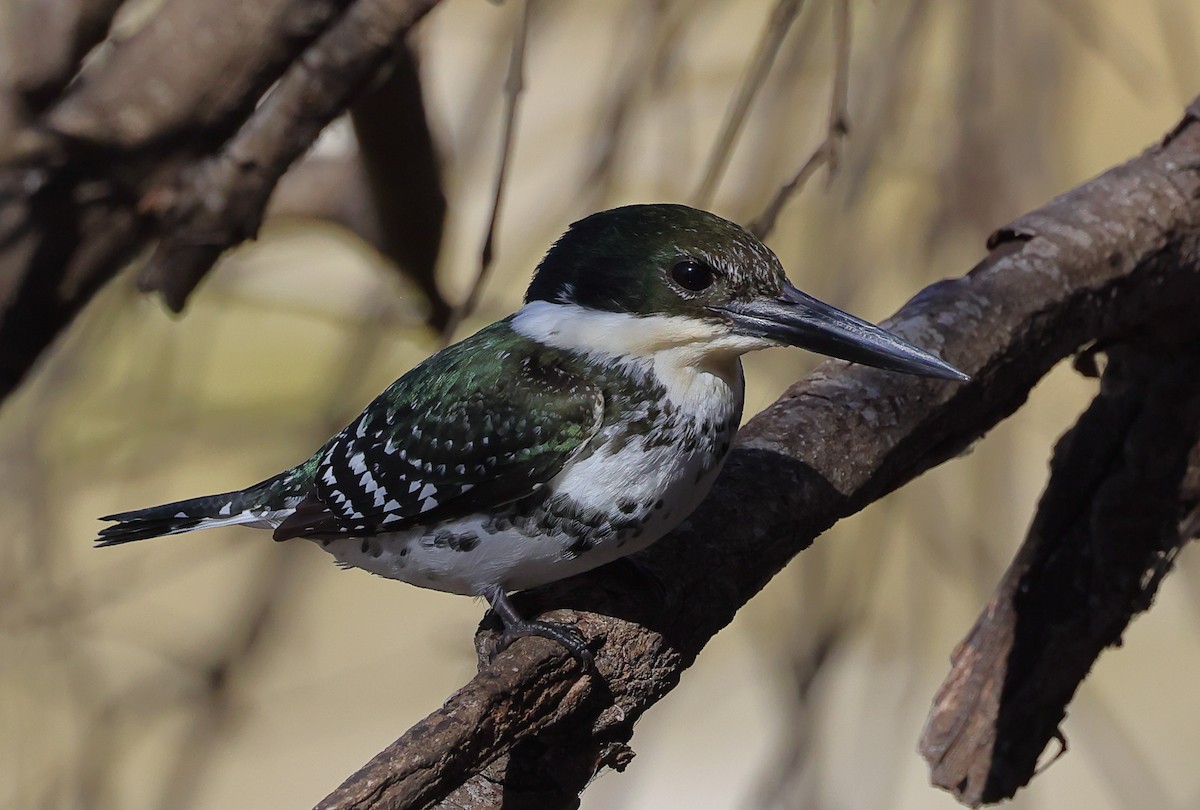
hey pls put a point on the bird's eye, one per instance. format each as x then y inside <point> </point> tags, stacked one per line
<point>692,275</point>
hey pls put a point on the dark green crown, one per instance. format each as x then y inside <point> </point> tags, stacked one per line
<point>645,259</point>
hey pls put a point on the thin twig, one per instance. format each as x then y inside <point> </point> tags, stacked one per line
<point>780,23</point>
<point>764,223</point>
<point>514,85</point>
<point>828,152</point>
<point>839,116</point>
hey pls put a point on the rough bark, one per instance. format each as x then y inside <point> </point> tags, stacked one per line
<point>1115,257</point>
<point>1113,517</point>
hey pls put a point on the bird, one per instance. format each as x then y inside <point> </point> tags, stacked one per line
<point>574,432</point>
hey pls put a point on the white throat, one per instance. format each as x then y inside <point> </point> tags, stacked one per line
<point>690,357</point>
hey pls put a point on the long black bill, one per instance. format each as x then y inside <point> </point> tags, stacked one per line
<point>801,320</point>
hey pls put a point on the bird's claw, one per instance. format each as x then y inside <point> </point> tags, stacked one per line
<point>565,635</point>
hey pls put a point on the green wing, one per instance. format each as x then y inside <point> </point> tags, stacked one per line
<point>480,424</point>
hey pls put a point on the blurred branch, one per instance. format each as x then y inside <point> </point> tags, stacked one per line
<point>50,39</point>
<point>221,202</point>
<point>653,35</point>
<point>514,85</point>
<point>1127,61</point>
<point>161,86</point>
<point>782,16</point>
<point>133,149</point>
<point>215,694</point>
<point>1175,19</point>
<point>828,153</point>
<point>1111,257</point>
<point>403,171</point>
<point>387,191</point>
<point>331,188</point>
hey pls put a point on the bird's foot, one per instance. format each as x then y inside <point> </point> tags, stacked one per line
<point>564,634</point>
<point>515,627</point>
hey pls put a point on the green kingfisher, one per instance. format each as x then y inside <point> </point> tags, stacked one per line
<point>576,431</point>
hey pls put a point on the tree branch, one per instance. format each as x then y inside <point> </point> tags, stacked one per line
<point>403,170</point>
<point>127,153</point>
<point>221,202</point>
<point>1110,523</point>
<point>1114,254</point>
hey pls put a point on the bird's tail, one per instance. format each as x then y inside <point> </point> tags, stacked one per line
<point>227,509</point>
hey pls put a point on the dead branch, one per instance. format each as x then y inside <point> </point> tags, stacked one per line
<point>1116,255</point>
<point>204,82</point>
<point>50,40</point>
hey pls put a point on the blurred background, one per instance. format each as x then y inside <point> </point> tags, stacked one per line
<point>221,670</point>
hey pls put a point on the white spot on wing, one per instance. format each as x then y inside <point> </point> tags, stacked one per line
<point>367,482</point>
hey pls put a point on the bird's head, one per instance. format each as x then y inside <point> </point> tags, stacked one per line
<point>658,276</point>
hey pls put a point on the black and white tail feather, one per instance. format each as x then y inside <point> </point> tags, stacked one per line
<point>227,509</point>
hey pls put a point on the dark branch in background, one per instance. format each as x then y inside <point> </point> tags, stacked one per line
<point>828,153</point>
<point>52,37</point>
<point>165,137</point>
<point>403,170</point>
<point>839,117</point>
<point>1116,257</point>
<point>221,201</point>
<point>514,85</point>
<point>388,191</point>
<point>782,17</point>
